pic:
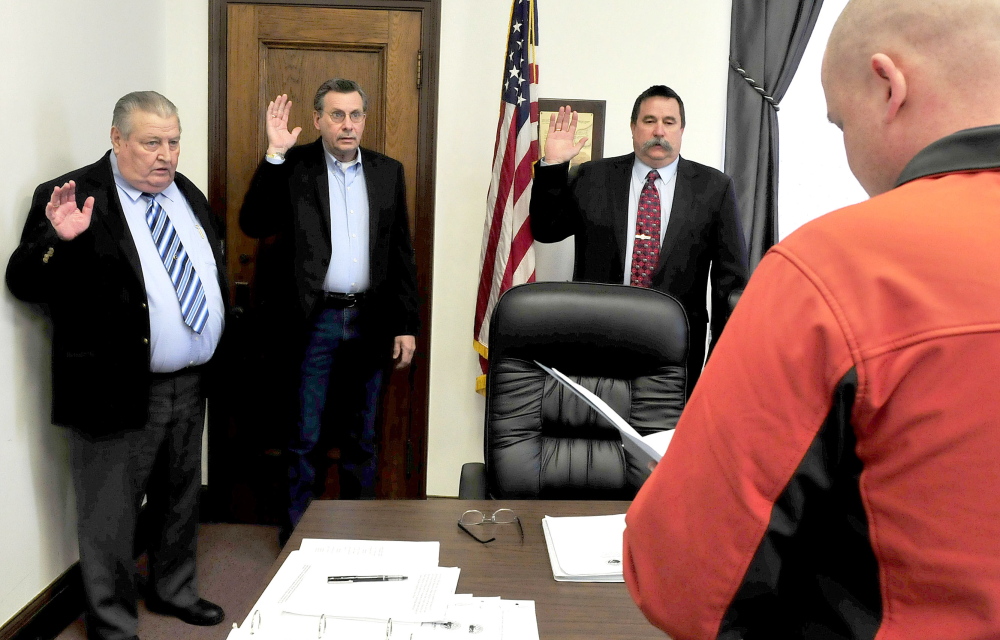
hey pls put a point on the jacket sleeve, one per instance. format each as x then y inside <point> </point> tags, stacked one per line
<point>402,268</point>
<point>40,262</point>
<point>266,205</point>
<point>554,211</point>
<point>730,268</point>
<point>698,521</point>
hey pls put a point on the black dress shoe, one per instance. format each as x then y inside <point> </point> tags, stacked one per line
<point>202,613</point>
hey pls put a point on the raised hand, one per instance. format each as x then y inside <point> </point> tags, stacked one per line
<point>67,219</point>
<point>559,144</point>
<point>279,138</point>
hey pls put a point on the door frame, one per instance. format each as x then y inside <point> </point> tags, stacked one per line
<point>423,216</point>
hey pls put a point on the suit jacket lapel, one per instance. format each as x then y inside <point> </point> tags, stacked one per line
<point>101,185</point>
<point>373,176</point>
<point>204,216</point>
<point>680,208</point>
<point>317,175</point>
<point>620,179</point>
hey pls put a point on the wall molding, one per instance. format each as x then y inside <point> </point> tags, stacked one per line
<point>51,611</point>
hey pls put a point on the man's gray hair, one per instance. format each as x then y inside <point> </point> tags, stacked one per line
<point>338,85</point>
<point>145,101</point>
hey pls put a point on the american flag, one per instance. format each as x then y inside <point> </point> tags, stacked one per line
<point>507,257</point>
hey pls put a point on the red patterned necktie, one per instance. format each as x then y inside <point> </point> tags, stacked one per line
<point>646,250</point>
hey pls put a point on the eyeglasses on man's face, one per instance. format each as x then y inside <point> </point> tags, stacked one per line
<point>474,517</point>
<point>339,116</point>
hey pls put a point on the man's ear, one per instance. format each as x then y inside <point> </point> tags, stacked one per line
<point>116,139</point>
<point>891,78</point>
<point>316,116</point>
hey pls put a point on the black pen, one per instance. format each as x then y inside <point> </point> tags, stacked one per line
<point>365,578</point>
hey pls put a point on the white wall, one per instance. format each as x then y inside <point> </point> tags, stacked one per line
<point>585,52</point>
<point>64,65</point>
<point>813,172</point>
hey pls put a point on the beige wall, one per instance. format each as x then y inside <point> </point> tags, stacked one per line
<point>64,65</point>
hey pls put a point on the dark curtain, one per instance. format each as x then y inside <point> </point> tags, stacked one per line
<point>767,42</point>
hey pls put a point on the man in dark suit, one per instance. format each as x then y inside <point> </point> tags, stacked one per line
<point>131,341</point>
<point>341,210</point>
<point>666,230</point>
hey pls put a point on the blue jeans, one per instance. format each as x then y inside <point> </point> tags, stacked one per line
<point>335,366</point>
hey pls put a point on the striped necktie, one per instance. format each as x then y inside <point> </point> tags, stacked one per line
<point>187,284</point>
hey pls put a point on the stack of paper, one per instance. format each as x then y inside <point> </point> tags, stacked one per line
<point>376,589</point>
<point>585,548</point>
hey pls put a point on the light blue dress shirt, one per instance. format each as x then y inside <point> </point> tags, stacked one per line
<point>665,187</point>
<point>173,344</point>
<point>349,227</point>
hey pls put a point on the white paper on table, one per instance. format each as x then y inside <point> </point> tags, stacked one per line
<point>643,448</point>
<point>394,552</point>
<point>489,618</point>
<point>275,625</point>
<point>424,595</point>
<point>302,568</point>
<point>585,548</point>
<point>519,621</point>
<point>482,617</point>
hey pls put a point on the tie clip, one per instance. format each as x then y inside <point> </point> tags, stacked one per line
<point>643,236</point>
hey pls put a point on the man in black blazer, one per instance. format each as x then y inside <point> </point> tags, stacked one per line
<point>341,212</point>
<point>129,352</point>
<point>602,204</point>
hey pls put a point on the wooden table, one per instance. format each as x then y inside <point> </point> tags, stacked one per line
<point>505,568</point>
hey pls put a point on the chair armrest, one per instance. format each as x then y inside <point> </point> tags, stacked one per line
<point>472,485</point>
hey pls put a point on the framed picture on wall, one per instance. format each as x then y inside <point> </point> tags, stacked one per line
<point>590,124</point>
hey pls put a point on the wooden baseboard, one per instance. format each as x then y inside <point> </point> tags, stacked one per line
<point>50,612</point>
<point>62,602</point>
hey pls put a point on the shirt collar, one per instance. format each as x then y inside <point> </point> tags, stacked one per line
<point>332,162</point>
<point>171,193</point>
<point>967,150</point>
<point>640,170</point>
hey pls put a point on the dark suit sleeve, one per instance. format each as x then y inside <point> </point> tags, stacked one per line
<point>554,211</point>
<point>266,204</point>
<point>41,264</point>
<point>402,267</point>
<point>730,266</point>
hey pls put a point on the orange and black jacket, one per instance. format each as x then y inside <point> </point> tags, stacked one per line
<point>836,473</point>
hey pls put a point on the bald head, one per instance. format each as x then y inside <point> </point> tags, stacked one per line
<point>900,74</point>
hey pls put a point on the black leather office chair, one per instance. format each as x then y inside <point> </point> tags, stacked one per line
<point>627,345</point>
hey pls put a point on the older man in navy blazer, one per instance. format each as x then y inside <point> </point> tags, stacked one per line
<point>126,255</point>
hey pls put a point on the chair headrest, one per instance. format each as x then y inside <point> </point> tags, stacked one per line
<point>580,326</point>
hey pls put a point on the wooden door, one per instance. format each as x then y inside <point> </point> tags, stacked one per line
<point>274,49</point>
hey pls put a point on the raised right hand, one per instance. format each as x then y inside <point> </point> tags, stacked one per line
<point>279,138</point>
<point>67,219</point>
<point>559,145</point>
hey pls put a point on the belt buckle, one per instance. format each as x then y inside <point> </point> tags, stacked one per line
<point>342,300</point>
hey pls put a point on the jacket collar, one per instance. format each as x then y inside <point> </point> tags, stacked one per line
<point>967,150</point>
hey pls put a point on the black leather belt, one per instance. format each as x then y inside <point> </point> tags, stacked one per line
<point>336,300</point>
<point>158,376</point>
